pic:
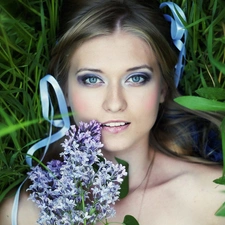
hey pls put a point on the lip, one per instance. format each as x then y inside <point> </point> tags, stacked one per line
<point>115,126</point>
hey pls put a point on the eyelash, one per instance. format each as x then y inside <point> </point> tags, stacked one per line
<point>142,78</point>
<point>83,79</point>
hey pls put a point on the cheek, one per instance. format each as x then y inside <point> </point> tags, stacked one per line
<point>152,102</point>
<point>78,104</point>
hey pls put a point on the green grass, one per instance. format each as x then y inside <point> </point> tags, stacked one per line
<point>27,33</point>
<point>205,45</point>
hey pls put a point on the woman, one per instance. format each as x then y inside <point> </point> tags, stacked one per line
<point>115,62</point>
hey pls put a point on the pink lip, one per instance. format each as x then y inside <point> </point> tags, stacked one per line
<point>115,129</point>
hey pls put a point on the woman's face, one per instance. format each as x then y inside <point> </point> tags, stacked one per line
<point>116,80</point>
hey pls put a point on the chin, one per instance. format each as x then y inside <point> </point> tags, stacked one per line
<point>114,149</point>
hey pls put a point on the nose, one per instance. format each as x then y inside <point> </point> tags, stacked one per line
<point>114,99</point>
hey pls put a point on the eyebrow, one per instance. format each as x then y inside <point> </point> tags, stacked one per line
<point>128,70</point>
<point>88,69</point>
<point>140,67</point>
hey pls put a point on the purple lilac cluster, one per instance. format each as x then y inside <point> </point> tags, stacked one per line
<point>83,187</point>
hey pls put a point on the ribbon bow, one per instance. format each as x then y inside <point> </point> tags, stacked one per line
<point>178,34</point>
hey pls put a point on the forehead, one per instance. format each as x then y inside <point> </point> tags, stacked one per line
<point>119,49</point>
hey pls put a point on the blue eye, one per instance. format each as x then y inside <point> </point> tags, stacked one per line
<point>89,80</point>
<point>139,78</point>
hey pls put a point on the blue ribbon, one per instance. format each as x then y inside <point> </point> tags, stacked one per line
<point>178,34</point>
<point>48,114</point>
<point>47,108</point>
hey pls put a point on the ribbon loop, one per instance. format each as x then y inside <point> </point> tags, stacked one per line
<point>178,35</point>
<point>48,114</point>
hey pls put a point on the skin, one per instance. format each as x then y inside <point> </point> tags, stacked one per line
<point>174,192</point>
<point>114,95</point>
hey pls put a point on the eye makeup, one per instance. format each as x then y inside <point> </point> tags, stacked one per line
<point>89,80</point>
<point>139,78</point>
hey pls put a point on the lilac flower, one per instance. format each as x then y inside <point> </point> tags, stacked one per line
<point>83,187</point>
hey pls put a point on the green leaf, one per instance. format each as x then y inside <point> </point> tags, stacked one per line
<point>130,220</point>
<point>219,65</point>
<point>220,180</point>
<point>212,93</point>
<point>221,210</point>
<point>12,128</point>
<point>125,184</point>
<point>199,103</point>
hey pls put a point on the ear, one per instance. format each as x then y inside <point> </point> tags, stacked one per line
<point>163,93</point>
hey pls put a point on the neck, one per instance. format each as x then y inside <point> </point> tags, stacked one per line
<point>139,163</point>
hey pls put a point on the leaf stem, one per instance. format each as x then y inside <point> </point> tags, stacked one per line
<point>83,206</point>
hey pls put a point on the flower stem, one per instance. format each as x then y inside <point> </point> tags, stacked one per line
<point>83,206</point>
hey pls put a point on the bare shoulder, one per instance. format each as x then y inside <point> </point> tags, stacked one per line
<point>203,177</point>
<point>202,193</point>
<point>189,189</point>
<point>5,209</point>
<point>209,196</point>
<point>27,211</point>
